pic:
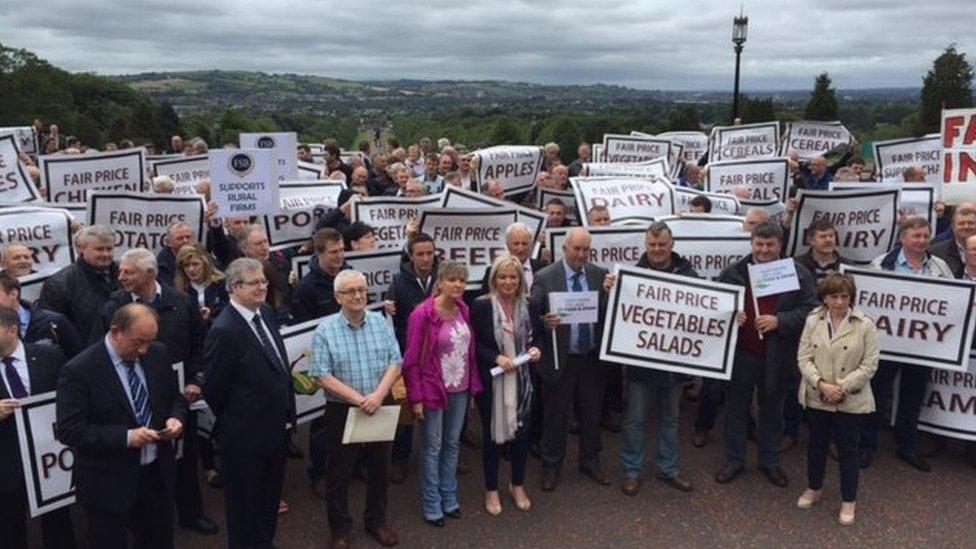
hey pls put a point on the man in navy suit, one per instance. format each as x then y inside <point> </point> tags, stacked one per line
<point>248,388</point>
<point>119,409</point>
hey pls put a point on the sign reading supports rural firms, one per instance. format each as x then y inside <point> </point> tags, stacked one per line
<point>242,182</point>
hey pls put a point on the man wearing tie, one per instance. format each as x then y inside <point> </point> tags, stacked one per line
<point>28,369</point>
<point>119,408</point>
<point>570,371</point>
<point>248,388</point>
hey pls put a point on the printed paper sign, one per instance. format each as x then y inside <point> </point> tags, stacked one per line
<point>744,142</point>
<point>15,184</point>
<point>809,139</point>
<point>388,216</point>
<point>865,220</point>
<point>243,182</point>
<point>302,204</point>
<point>893,157</point>
<point>634,148</point>
<point>765,179</point>
<point>453,197</point>
<point>575,307</point>
<point>515,167</point>
<point>949,408</point>
<point>773,277</point>
<point>141,221</point>
<point>628,199</point>
<point>609,246</point>
<point>959,146</point>
<point>694,144</point>
<point>656,167</point>
<point>283,147</point>
<point>475,238</point>
<point>298,346</point>
<point>45,231</point>
<point>70,177</point>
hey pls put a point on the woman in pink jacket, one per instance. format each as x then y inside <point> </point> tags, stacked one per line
<point>440,372</point>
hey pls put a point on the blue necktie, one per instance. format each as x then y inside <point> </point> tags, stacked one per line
<point>140,397</point>
<point>17,389</point>
<point>583,337</point>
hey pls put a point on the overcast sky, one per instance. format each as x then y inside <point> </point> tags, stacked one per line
<point>651,44</point>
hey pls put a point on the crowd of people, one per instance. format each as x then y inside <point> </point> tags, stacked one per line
<point>104,334</point>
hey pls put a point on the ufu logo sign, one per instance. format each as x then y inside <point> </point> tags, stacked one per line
<point>241,164</point>
<point>266,142</point>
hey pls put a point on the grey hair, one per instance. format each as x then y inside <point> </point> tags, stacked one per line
<point>758,211</point>
<point>346,275</point>
<point>144,260</point>
<point>235,271</point>
<point>517,227</point>
<point>176,225</point>
<point>247,234</point>
<point>102,233</point>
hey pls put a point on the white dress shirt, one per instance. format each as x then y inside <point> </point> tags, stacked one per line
<point>147,454</point>
<point>20,366</point>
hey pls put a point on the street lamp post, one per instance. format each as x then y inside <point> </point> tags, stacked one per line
<point>740,25</point>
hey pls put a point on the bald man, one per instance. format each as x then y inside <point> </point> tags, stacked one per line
<point>17,260</point>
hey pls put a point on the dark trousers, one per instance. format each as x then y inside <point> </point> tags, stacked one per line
<point>911,393</point>
<point>205,448</point>
<point>189,501</point>
<point>582,383</point>
<point>317,447</point>
<point>150,521</point>
<point>537,411</point>
<point>56,528</point>
<point>402,445</point>
<point>748,373</point>
<point>613,398</point>
<point>491,453</point>
<point>338,471</point>
<point>793,415</point>
<point>845,429</point>
<point>710,398</point>
<point>252,490</point>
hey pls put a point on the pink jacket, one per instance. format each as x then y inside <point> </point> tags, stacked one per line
<point>421,368</point>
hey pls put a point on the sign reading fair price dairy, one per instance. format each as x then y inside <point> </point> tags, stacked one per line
<point>242,182</point>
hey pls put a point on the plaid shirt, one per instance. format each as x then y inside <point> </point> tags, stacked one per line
<point>358,356</point>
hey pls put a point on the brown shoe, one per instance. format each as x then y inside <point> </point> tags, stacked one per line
<point>787,444</point>
<point>549,477</point>
<point>677,482</point>
<point>384,535</point>
<point>339,542</point>
<point>630,486</point>
<point>700,439</point>
<point>398,473</point>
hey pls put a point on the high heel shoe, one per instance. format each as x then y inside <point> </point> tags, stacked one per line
<point>809,498</point>
<point>846,516</point>
<point>522,502</point>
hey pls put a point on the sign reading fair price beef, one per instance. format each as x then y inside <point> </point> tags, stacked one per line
<point>242,182</point>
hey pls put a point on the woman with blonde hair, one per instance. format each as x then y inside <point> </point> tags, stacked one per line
<point>197,276</point>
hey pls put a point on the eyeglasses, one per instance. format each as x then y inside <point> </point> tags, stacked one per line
<point>255,283</point>
<point>354,291</point>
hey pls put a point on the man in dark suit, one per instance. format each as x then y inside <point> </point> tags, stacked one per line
<point>28,369</point>
<point>953,250</point>
<point>119,409</point>
<point>248,388</point>
<point>571,372</point>
<point>39,325</point>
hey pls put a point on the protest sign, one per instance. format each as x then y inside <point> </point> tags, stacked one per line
<point>309,171</point>
<point>46,232</point>
<point>672,323</point>
<point>674,156</point>
<point>544,196</point>
<point>302,204</point>
<point>628,199</point>
<point>959,145</point>
<point>70,177</point>
<point>378,266</point>
<point>15,184</point>
<point>773,277</point>
<point>597,152</point>
<point>634,148</point>
<point>454,197</point>
<point>694,144</point>
<point>140,221</point>
<point>747,141</point>
<point>709,242</point>
<point>865,220</point>
<point>298,346</point>
<point>575,307</point>
<point>515,167</point>
<point>47,462</point>
<point>388,216</point>
<point>893,156</point>
<point>949,407</point>
<point>765,179</point>
<point>242,182</point>
<point>26,138</point>
<point>915,199</point>
<point>775,208</point>
<point>609,246</point>
<point>473,237</point>
<point>722,203</point>
<point>809,138</point>
<point>283,147</point>
<point>656,167</point>
<point>924,321</point>
<point>185,171</point>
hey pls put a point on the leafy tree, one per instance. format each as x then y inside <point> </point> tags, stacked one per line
<point>947,85</point>
<point>503,132</point>
<point>684,118</point>
<point>563,132</point>
<point>757,110</point>
<point>823,102</point>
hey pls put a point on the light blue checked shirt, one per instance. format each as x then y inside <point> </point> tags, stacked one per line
<point>358,356</point>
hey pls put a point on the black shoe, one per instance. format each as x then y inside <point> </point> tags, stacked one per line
<point>775,475</point>
<point>727,474</point>
<point>436,522</point>
<point>201,525</point>
<point>864,459</point>
<point>912,458</point>
<point>455,514</point>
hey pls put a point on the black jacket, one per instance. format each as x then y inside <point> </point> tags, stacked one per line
<point>486,347</point>
<point>223,247</point>
<point>44,361</point>
<point>816,270</point>
<point>250,395</point>
<point>166,265</point>
<point>54,328</point>
<point>314,296</point>
<point>180,327</point>
<point>94,415</point>
<point>948,251</point>
<point>792,309</point>
<point>214,297</point>
<point>406,293</point>
<point>78,292</point>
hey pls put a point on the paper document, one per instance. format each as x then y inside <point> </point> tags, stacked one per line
<point>575,307</point>
<point>518,361</point>
<point>379,427</point>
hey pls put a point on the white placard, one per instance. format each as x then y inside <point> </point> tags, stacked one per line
<point>765,179</point>
<point>893,156</point>
<point>47,462</point>
<point>609,246</point>
<point>575,307</point>
<point>185,171</point>
<point>628,199</point>
<point>515,167</point>
<point>866,221</point>
<point>657,167</point>
<point>388,216</point>
<point>15,184</point>
<point>70,177</point>
<point>694,144</point>
<point>958,164</point>
<point>568,199</point>
<point>809,138</point>
<point>283,147</point>
<point>302,203</point>
<point>140,220</point>
<point>475,238</point>
<point>747,141</point>
<point>949,403</point>
<point>709,242</point>
<point>619,148</point>
<point>298,346</point>
<point>45,231</point>
<point>722,203</point>
<point>27,139</point>
<point>378,266</point>
<point>308,171</point>
<point>454,197</point>
<point>243,182</point>
<point>773,277</point>
<point>914,200</point>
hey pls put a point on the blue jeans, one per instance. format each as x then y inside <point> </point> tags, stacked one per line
<point>439,458</point>
<point>639,398</point>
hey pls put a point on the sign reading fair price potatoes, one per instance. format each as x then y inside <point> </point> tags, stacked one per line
<point>243,183</point>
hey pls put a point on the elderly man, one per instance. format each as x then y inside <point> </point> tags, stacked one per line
<point>598,216</point>
<point>911,257</point>
<point>494,189</point>
<point>256,246</point>
<point>414,189</point>
<point>552,158</point>
<point>691,176</point>
<point>754,217</point>
<point>119,408</point>
<point>583,154</point>
<point>953,250</point>
<point>817,175</point>
<point>178,234</point>
<point>913,174</point>
<point>79,290</point>
<point>570,371</point>
<point>356,360</point>
<point>223,236</point>
<point>360,175</point>
<point>560,177</point>
<point>518,241</point>
<point>17,260</point>
<point>765,357</point>
<point>249,390</point>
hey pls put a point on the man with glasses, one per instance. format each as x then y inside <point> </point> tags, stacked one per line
<point>248,388</point>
